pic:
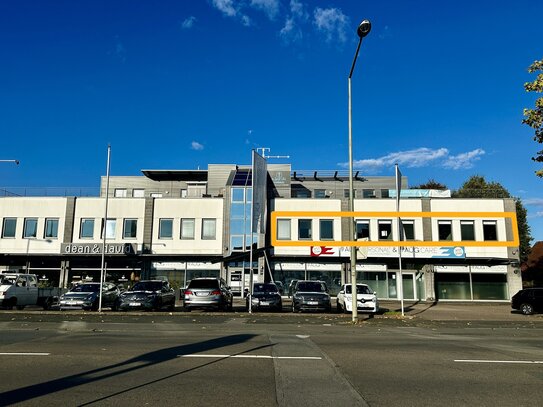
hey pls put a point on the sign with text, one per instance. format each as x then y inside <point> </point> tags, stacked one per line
<point>96,248</point>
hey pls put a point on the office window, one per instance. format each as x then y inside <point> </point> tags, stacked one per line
<point>238,194</point>
<point>320,193</point>
<point>183,193</point>
<point>165,229</point>
<point>156,195</point>
<point>111,227</point>
<point>385,229</point>
<point>236,243</point>
<point>283,229</point>
<point>385,193</point>
<point>138,193</point>
<point>86,231</point>
<point>120,193</point>
<point>304,229</point>
<point>51,228</point>
<point>489,230</point>
<point>346,193</point>
<point>408,230</point>
<point>467,230</point>
<point>30,227</point>
<point>9,227</point>
<point>130,228</point>
<point>187,228</point>
<point>368,193</point>
<point>326,227</point>
<point>444,229</point>
<point>363,229</point>
<point>208,229</point>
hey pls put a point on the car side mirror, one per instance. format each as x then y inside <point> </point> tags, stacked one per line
<point>342,292</point>
<point>375,293</point>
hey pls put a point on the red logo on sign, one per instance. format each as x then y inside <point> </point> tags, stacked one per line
<point>321,251</point>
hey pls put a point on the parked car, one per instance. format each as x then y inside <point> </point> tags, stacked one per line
<point>528,301</point>
<point>86,296</point>
<point>265,296</point>
<point>280,287</point>
<point>311,296</point>
<point>365,296</point>
<point>207,292</point>
<point>148,295</point>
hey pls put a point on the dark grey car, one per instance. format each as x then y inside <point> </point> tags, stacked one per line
<point>148,295</point>
<point>207,292</point>
<point>264,296</point>
<point>86,296</point>
<point>311,296</point>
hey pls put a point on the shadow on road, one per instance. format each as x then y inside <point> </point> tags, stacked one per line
<point>142,361</point>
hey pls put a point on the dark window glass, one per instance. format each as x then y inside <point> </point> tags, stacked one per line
<point>87,228</point>
<point>385,230</point>
<point>51,228</point>
<point>362,230</point>
<point>489,230</point>
<point>320,193</point>
<point>467,230</point>
<point>304,228</point>
<point>9,227</point>
<point>165,229</point>
<point>408,230</point>
<point>326,229</point>
<point>130,228</point>
<point>30,227</point>
<point>444,230</point>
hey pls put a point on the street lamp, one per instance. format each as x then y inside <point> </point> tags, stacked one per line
<point>363,30</point>
<point>10,161</point>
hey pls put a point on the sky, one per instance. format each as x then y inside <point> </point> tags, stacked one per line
<point>437,88</point>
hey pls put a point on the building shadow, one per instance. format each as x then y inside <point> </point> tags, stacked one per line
<point>147,359</point>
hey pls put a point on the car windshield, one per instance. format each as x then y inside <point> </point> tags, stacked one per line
<point>265,288</point>
<point>361,289</point>
<point>147,286</point>
<point>203,284</point>
<point>7,280</point>
<point>310,286</point>
<point>86,288</point>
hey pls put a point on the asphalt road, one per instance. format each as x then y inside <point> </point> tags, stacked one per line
<point>203,359</point>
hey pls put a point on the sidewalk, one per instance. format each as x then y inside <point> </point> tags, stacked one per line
<point>447,311</point>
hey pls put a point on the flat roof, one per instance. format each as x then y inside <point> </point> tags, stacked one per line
<point>176,175</point>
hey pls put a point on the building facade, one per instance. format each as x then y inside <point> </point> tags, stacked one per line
<point>184,224</point>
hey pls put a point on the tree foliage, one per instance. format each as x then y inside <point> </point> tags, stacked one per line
<point>477,187</point>
<point>430,184</point>
<point>534,117</point>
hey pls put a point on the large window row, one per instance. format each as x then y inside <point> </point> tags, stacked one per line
<point>386,229</point>
<point>87,226</point>
<point>188,228</point>
<point>30,228</point>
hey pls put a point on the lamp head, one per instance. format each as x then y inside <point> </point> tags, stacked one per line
<point>364,28</point>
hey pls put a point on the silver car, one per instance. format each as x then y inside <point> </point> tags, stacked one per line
<point>207,292</point>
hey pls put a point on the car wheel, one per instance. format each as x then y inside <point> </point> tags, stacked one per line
<point>20,307</point>
<point>527,309</point>
<point>186,309</point>
<point>338,307</point>
<point>171,307</point>
<point>94,306</point>
<point>115,306</point>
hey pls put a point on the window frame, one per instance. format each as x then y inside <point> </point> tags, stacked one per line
<point>493,232</point>
<point>309,230</point>
<point>184,236</point>
<point>382,223</point>
<point>10,220</point>
<point>28,222</point>
<point>411,223</point>
<point>363,222</point>
<point>440,225</point>
<point>82,228</point>
<point>331,223</point>
<point>463,224</point>
<point>49,221</point>
<point>126,228</point>
<point>204,234</point>
<point>161,224</point>
<point>286,223</point>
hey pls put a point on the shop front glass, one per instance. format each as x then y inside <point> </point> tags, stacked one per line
<point>489,286</point>
<point>452,286</point>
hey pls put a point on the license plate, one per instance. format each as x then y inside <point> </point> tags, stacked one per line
<point>202,294</point>
<point>134,304</point>
<point>312,303</point>
<point>264,303</point>
<point>72,302</point>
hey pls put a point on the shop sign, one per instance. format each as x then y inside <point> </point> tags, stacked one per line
<point>96,248</point>
<point>430,252</point>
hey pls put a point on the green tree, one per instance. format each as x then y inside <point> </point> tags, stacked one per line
<point>534,117</point>
<point>477,187</point>
<point>430,184</point>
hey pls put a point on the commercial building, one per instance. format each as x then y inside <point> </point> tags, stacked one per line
<point>181,224</point>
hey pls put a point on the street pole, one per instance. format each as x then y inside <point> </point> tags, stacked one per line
<point>104,230</point>
<point>363,30</point>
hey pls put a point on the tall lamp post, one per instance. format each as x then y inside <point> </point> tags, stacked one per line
<point>363,30</point>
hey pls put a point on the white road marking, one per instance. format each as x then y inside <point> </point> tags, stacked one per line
<point>500,361</point>
<point>250,357</point>
<point>24,354</point>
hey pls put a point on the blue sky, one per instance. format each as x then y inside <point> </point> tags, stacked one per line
<point>438,88</point>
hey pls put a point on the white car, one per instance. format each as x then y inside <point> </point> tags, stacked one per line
<point>366,299</point>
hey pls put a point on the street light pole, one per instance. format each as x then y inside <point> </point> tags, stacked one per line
<point>363,30</point>
<point>16,162</point>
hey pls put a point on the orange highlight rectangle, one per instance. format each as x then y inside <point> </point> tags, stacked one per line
<point>386,243</point>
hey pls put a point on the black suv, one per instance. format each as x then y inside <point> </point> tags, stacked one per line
<point>528,301</point>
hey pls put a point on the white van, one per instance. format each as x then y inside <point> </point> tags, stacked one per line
<point>18,290</point>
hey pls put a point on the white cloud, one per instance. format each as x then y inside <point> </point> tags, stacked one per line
<point>533,201</point>
<point>420,157</point>
<point>196,146</point>
<point>226,7</point>
<point>291,31</point>
<point>464,160</point>
<point>270,7</point>
<point>188,23</point>
<point>332,23</point>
